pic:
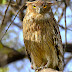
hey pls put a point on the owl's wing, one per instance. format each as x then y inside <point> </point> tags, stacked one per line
<point>57,39</point>
<point>26,26</point>
<point>56,32</point>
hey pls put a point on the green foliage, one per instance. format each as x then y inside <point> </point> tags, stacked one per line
<point>4,69</point>
<point>0,1</point>
<point>1,46</point>
<point>3,1</point>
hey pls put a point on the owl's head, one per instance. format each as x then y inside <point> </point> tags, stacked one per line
<point>39,7</point>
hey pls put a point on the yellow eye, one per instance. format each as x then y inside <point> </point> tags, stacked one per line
<point>34,6</point>
<point>44,6</point>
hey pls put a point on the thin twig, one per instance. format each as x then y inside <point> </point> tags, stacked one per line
<point>61,15</point>
<point>67,60</point>
<point>12,21</point>
<point>64,27</point>
<point>5,13</point>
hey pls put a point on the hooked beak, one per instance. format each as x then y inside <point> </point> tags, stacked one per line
<point>38,10</point>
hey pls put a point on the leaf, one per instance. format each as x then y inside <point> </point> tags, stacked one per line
<point>1,46</point>
<point>6,69</point>
<point>4,1</point>
<point>0,1</point>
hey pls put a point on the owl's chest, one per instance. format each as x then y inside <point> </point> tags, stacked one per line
<point>37,31</point>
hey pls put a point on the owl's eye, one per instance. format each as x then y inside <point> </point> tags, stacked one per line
<point>44,6</point>
<point>34,6</point>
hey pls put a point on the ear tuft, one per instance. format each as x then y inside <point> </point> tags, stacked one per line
<point>28,3</point>
<point>49,3</point>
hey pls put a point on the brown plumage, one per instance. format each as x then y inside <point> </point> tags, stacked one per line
<point>41,36</point>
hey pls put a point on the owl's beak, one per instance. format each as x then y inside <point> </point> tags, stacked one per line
<point>39,10</point>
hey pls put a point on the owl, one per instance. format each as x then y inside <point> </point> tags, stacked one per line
<point>42,37</point>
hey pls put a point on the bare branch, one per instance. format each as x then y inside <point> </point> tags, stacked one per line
<point>8,55</point>
<point>5,13</point>
<point>12,21</point>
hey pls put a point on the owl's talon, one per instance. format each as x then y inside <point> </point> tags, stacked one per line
<point>40,68</point>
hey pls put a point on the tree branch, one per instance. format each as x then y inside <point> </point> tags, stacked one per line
<point>68,47</point>
<point>8,55</point>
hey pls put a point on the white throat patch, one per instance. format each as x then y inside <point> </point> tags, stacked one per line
<point>46,16</point>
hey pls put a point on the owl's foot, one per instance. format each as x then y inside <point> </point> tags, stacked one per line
<point>40,68</point>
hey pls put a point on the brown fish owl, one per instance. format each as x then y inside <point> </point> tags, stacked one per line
<point>42,37</point>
